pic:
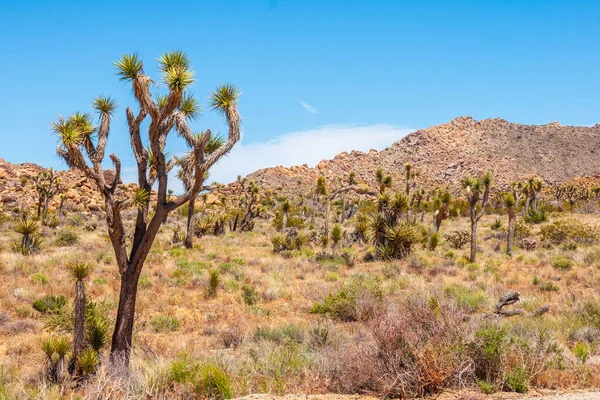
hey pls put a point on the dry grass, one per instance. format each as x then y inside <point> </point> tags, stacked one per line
<point>178,319</point>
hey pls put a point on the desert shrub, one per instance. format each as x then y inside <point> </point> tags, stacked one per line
<point>581,350</point>
<point>250,294</point>
<point>52,221</point>
<point>214,382</point>
<point>39,278</point>
<point>588,313</point>
<point>409,350</point>
<point>164,323</point>
<point>357,300</point>
<point>569,230</point>
<point>466,298</point>
<point>562,263</point>
<point>76,220</point>
<point>280,334</point>
<point>214,280</point>
<point>487,349</point>
<point>536,216</point>
<point>517,380</point>
<point>496,225</point>
<point>67,237</point>
<point>233,336</point>
<point>522,230</point>
<point>349,256</point>
<point>548,287</point>
<point>287,242</point>
<point>49,304</point>
<point>592,257</point>
<point>458,238</point>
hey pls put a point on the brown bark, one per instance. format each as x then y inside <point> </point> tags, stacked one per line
<point>78,333</point>
<point>188,230</point>
<point>511,231</point>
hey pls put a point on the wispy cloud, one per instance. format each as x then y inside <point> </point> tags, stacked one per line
<point>308,107</point>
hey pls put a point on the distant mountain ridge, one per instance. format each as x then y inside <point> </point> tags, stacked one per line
<point>464,146</point>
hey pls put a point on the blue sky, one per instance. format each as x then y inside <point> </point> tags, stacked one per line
<point>317,77</point>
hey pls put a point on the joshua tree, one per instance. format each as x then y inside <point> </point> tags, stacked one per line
<point>286,207</point>
<point>573,194</point>
<point>475,197</point>
<point>351,181</point>
<point>383,182</point>
<point>79,271</point>
<point>337,235</point>
<point>441,209</point>
<point>247,209</point>
<point>166,113</point>
<point>510,204</point>
<point>186,174</point>
<point>47,184</point>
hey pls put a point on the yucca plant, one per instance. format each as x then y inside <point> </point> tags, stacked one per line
<point>79,272</point>
<point>337,235</point>
<point>399,240</point>
<point>214,280</point>
<point>31,241</point>
<point>88,362</point>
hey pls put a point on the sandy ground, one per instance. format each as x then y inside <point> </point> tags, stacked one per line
<point>587,395</point>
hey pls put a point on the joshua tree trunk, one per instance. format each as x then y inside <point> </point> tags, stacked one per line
<point>122,336</point>
<point>473,257</point>
<point>78,333</point>
<point>284,219</point>
<point>343,216</point>
<point>511,231</point>
<point>190,217</point>
<point>327,211</point>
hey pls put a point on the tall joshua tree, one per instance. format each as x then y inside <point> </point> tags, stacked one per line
<point>79,271</point>
<point>478,193</point>
<point>510,204</point>
<point>166,113</point>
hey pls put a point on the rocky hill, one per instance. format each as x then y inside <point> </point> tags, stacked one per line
<point>17,189</point>
<point>464,146</point>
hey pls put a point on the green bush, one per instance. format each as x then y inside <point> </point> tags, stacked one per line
<point>548,287</point>
<point>67,237</point>
<point>466,298</point>
<point>536,217</point>
<point>355,301</point>
<point>562,263</point>
<point>280,334</point>
<point>164,323</point>
<point>39,278</point>
<point>517,380</point>
<point>49,304</point>
<point>569,230</point>
<point>581,351</point>
<point>214,382</point>
<point>487,349</point>
<point>249,294</point>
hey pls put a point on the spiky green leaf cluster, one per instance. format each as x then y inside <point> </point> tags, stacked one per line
<point>129,66</point>
<point>224,97</point>
<point>79,271</point>
<point>104,104</point>
<point>190,106</point>
<point>140,198</point>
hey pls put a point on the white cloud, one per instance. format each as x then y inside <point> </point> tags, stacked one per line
<point>304,147</point>
<point>295,148</point>
<point>308,107</point>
